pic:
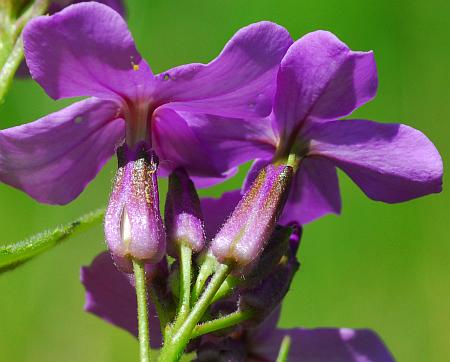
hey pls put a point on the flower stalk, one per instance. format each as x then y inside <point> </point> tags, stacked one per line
<point>172,351</point>
<point>206,270</point>
<point>222,322</point>
<point>284,349</point>
<point>185,284</point>
<point>142,312</point>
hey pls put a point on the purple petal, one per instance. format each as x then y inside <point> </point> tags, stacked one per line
<point>223,143</point>
<point>325,345</point>
<point>55,157</point>
<point>314,193</point>
<point>57,5</point>
<point>389,162</point>
<point>173,140</point>
<point>216,211</point>
<point>239,82</point>
<point>86,50</point>
<point>266,328</point>
<point>200,148</point>
<point>202,182</point>
<point>252,174</point>
<point>320,77</point>
<point>111,296</point>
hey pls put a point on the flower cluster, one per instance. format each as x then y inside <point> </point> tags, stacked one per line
<point>217,270</point>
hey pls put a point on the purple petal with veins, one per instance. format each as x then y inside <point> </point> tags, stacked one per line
<point>87,50</point>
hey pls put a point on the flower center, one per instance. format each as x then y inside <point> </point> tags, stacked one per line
<point>138,122</point>
<point>292,153</point>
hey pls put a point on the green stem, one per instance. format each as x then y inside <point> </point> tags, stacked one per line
<point>142,312</point>
<point>161,309</point>
<point>293,161</point>
<point>15,57</point>
<point>185,284</point>
<point>172,351</point>
<point>222,322</point>
<point>206,270</point>
<point>184,304</point>
<point>9,68</point>
<point>17,253</point>
<point>284,349</point>
<point>226,288</point>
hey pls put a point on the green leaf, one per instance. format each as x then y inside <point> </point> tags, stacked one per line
<point>15,254</point>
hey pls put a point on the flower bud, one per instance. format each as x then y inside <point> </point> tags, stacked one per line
<point>276,248</point>
<point>183,215</point>
<point>268,293</point>
<point>268,283</point>
<point>244,235</point>
<point>133,224</point>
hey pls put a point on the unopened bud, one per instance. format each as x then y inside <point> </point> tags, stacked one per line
<point>276,248</point>
<point>133,224</point>
<point>183,215</point>
<point>244,235</point>
<point>268,293</point>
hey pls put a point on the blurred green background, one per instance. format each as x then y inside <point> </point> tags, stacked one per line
<point>384,267</point>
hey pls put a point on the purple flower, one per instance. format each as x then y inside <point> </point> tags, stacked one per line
<point>319,81</point>
<point>87,50</point>
<point>261,344</point>
<point>110,295</point>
